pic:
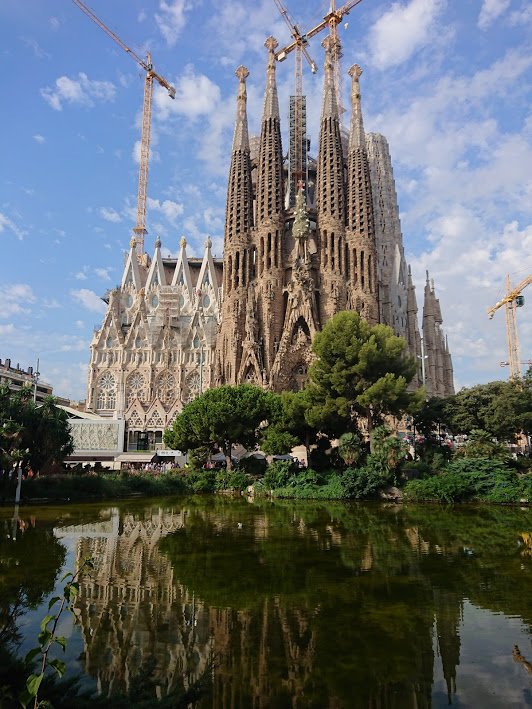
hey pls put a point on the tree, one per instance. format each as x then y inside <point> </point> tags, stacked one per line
<point>275,441</point>
<point>38,436</point>
<point>222,418</point>
<point>433,413</point>
<point>500,408</point>
<point>362,370</point>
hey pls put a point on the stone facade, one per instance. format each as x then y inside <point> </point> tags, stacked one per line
<point>168,333</point>
<point>155,349</point>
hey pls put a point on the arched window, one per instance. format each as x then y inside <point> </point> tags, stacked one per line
<point>135,387</point>
<point>106,387</point>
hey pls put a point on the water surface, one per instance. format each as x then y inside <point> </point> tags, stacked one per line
<point>292,604</point>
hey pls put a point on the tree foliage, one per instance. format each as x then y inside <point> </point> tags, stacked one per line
<point>223,417</point>
<point>361,370</point>
<point>503,409</point>
<point>35,435</point>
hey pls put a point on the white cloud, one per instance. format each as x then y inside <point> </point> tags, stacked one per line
<point>38,138</point>
<point>8,329</point>
<point>110,215</point>
<point>89,299</point>
<point>6,223</point>
<point>81,276</point>
<point>15,298</point>
<point>55,23</point>
<point>401,31</point>
<point>490,11</point>
<point>168,208</point>
<point>103,273</point>
<point>81,91</point>
<point>171,19</point>
<point>79,324</point>
<point>196,95</point>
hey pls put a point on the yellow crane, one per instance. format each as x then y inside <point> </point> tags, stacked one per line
<point>298,142</point>
<point>140,227</point>
<point>512,300</point>
<point>331,20</point>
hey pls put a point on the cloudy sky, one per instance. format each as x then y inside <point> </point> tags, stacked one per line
<point>448,83</point>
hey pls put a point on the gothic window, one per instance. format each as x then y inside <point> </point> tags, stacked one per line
<point>155,421</point>
<point>138,343</point>
<point>192,387</point>
<point>196,342</point>
<point>154,301</point>
<point>129,301</point>
<point>134,422</point>
<point>134,387</point>
<point>166,387</point>
<point>206,280</point>
<point>109,342</point>
<point>106,392</point>
<point>362,276</point>
<point>181,300</point>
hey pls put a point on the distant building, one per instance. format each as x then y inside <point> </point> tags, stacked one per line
<point>18,379</point>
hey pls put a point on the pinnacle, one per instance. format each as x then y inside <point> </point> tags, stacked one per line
<point>242,73</point>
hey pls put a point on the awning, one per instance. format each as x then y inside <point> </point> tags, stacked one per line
<point>136,457</point>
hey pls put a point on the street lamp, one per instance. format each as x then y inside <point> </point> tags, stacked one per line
<point>36,376</point>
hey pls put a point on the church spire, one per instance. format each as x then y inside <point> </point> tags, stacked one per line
<point>330,200</point>
<point>359,199</point>
<point>270,168</point>
<point>238,215</point>
<point>360,233</point>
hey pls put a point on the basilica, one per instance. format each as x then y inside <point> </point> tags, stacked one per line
<point>294,255</point>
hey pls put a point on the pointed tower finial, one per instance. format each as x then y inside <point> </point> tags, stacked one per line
<point>182,242</point>
<point>241,137</point>
<point>356,134</point>
<point>330,99</point>
<point>271,101</point>
<point>208,242</point>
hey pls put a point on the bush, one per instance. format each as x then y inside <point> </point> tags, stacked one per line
<point>311,485</point>
<point>278,474</point>
<point>469,479</point>
<point>362,483</point>
<point>231,480</point>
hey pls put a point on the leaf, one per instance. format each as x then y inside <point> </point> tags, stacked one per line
<point>25,698</point>
<point>46,620</point>
<point>31,654</point>
<point>44,637</point>
<point>68,575</point>
<point>53,601</point>
<point>59,666</point>
<point>61,640</point>
<point>33,683</point>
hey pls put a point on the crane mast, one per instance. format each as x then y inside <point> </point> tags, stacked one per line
<point>139,230</point>
<point>512,300</point>
<point>297,163</point>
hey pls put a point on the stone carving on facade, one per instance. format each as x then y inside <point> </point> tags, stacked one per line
<point>95,436</point>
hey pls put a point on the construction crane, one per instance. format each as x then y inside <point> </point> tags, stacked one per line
<point>331,20</point>
<point>512,300</point>
<point>140,230</point>
<point>297,163</point>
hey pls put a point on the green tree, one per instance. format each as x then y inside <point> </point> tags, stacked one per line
<point>38,435</point>
<point>500,408</point>
<point>362,370</point>
<point>275,441</point>
<point>222,418</point>
<point>434,413</point>
<point>350,448</point>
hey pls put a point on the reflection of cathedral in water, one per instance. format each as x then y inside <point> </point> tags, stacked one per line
<point>277,648</point>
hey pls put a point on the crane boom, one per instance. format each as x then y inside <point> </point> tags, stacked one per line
<point>140,226</point>
<point>511,303</point>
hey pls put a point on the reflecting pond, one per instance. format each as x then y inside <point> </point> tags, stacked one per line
<point>285,604</point>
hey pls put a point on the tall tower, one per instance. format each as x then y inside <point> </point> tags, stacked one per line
<point>330,197</point>
<point>237,244</point>
<point>360,251</point>
<point>438,367</point>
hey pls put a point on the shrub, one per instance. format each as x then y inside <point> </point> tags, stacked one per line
<point>360,483</point>
<point>231,480</point>
<point>448,487</point>
<point>278,474</point>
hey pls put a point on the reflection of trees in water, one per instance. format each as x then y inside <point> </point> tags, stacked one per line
<point>305,605</point>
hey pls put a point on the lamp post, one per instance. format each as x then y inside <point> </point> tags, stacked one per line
<point>423,357</point>
<point>36,376</point>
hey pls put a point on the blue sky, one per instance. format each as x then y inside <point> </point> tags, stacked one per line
<point>448,83</point>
